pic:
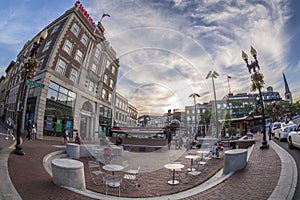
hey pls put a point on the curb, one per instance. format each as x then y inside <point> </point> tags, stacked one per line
<point>287,182</point>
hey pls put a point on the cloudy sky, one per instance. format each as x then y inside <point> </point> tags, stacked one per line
<point>167,48</point>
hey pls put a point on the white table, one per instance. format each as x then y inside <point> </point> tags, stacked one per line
<point>202,153</point>
<point>192,158</point>
<point>173,167</point>
<point>113,169</point>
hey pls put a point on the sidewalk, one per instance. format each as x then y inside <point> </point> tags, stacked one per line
<point>265,176</point>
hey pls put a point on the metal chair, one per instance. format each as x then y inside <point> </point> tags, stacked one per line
<point>95,171</point>
<point>113,181</point>
<point>131,177</point>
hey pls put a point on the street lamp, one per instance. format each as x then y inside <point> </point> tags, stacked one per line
<point>194,95</point>
<point>257,84</point>
<point>27,72</point>
<point>214,75</point>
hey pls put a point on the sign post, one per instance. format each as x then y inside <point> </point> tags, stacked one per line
<point>35,84</point>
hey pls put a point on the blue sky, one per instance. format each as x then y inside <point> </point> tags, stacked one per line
<point>166,48</point>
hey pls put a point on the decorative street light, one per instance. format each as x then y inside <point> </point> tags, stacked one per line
<point>28,71</point>
<point>194,95</point>
<point>214,75</point>
<point>257,84</point>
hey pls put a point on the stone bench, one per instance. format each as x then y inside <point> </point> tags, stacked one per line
<point>68,172</point>
<point>234,160</point>
<point>245,143</point>
<point>73,150</point>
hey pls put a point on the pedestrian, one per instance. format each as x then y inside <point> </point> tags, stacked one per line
<point>215,151</point>
<point>33,131</point>
<point>66,136</point>
<point>180,142</point>
<point>119,140</point>
<point>28,136</point>
<point>10,129</point>
<point>78,139</point>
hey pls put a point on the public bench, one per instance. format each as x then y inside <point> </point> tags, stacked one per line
<point>234,160</point>
<point>68,172</point>
<point>73,150</point>
<point>245,142</point>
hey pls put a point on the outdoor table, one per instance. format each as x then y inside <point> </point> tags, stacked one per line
<point>202,153</point>
<point>113,169</point>
<point>191,157</point>
<point>173,167</point>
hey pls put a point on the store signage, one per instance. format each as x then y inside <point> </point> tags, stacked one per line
<point>85,13</point>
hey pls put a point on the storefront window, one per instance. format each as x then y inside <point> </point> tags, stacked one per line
<point>58,113</point>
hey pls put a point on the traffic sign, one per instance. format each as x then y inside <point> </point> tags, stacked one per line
<point>35,84</point>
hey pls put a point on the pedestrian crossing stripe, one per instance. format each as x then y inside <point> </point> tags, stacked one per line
<point>13,146</point>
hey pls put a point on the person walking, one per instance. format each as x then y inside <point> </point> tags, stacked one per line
<point>77,139</point>
<point>28,136</point>
<point>33,131</point>
<point>10,129</point>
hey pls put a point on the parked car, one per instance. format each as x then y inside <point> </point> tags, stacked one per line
<point>275,125</point>
<point>283,129</point>
<point>294,138</point>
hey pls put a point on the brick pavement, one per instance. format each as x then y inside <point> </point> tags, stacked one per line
<point>256,181</point>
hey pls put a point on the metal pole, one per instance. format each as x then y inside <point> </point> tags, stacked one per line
<point>216,110</point>
<point>195,116</point>
<point>264,142</point>
<point>20,109</point>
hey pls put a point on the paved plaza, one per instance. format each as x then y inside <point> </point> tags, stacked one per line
<point>25,177</point>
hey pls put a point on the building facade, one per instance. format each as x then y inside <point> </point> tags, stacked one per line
<point>78,69</point>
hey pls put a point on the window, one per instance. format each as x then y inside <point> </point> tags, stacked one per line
<point>97,53</point>
<point>55,28</point>
<point>79,56</point>
<point>109,97</point>
<point>111,83</point>
<point>75,29</point>
<point>68,47</point>
<point>61,67</point>
<point>105,79</point>
<point>84,39</point>
<point>113,70</point>
<point>94,68</point>
<point>103,94</point>
<point>107,64</point>
<point>73,75</point>
<point>47,45</point>
<point>61,95</point>
<point>91,86</point>
<point>40,64</point>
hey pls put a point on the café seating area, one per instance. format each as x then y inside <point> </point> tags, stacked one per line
<point>131,181</point>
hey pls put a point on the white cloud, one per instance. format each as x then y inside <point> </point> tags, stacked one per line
<point>175,43</point>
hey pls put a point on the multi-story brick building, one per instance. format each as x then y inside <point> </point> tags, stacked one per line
<point>79,69</point>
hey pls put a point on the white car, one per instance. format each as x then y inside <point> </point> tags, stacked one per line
<point>294,138</point>
<point>282,131</point>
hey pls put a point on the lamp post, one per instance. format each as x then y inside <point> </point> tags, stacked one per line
<point>27,72</point>
<point>214,75</point>
<point>257,84</point>
<point>194,95</point>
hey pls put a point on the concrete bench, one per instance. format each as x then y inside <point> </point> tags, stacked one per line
<point>73,150</point>
<point>68,172</point>
<point>234,160</point>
